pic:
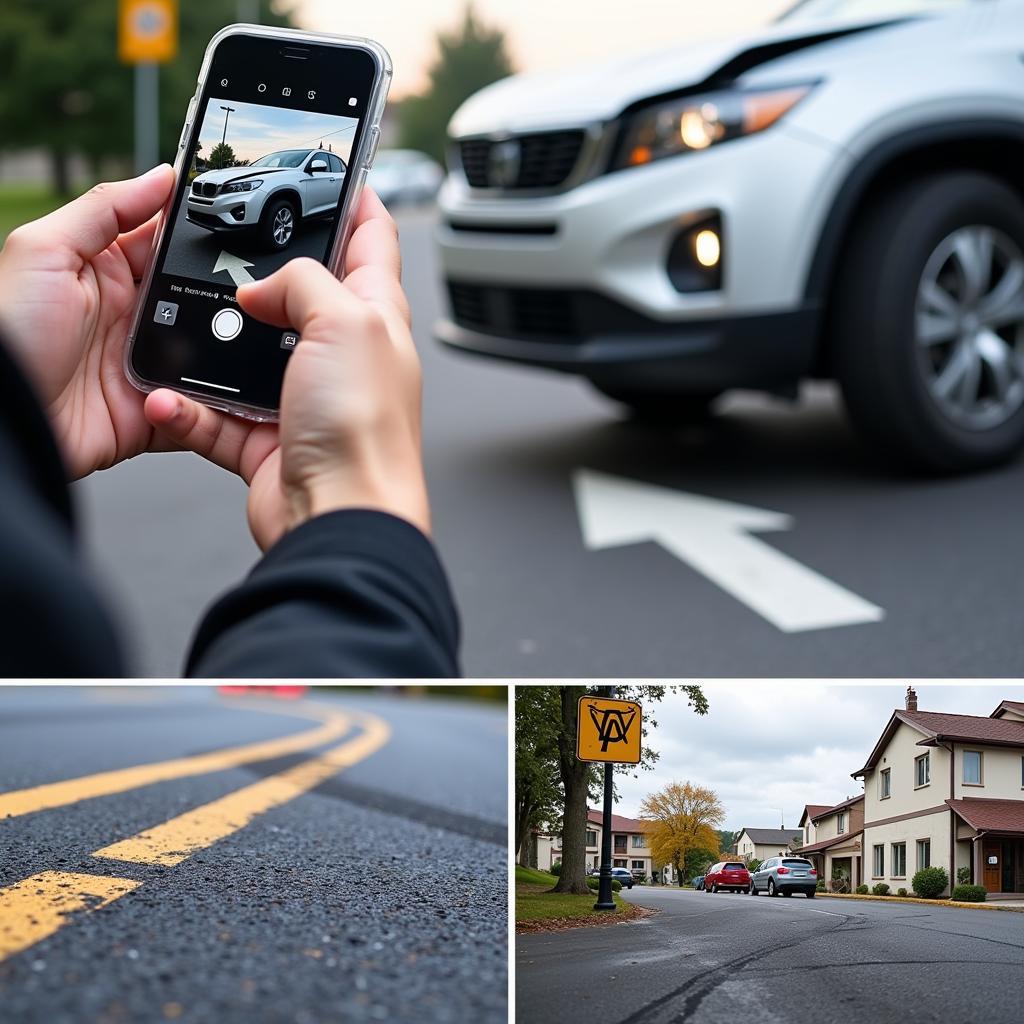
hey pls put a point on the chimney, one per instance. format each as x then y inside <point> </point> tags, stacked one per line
<point>911,699</point>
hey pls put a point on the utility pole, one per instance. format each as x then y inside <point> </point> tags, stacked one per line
<point>248,12</point>
<point>605,900</point>
<point>147,121</point>
<point>228,112</point>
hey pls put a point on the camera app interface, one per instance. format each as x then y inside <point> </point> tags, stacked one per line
<point>268,169</point>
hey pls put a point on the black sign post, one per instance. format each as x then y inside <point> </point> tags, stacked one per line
<point>604,891</point>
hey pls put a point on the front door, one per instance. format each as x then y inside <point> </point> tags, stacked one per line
<point>992,864</point>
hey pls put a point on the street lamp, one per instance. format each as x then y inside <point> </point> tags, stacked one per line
<point>228,111</point>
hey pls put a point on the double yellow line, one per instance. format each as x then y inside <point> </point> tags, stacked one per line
<point>36,907</point>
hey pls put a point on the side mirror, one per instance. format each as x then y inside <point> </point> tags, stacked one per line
<point>317,165</point>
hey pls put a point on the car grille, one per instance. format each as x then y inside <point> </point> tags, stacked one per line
<point>545,160</point>
<point>204,188</point>
<point>518,312</point>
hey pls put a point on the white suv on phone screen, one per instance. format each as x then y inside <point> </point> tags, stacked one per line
<point>840,195</point>
<point>269,196</point>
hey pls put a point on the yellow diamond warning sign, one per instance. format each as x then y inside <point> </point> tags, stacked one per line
<point>608,730</point>
<point>147,31</point>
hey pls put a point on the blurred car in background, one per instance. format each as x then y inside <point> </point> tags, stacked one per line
<point>697,882</point>
<point>405,176</point>
<point>837,196</point>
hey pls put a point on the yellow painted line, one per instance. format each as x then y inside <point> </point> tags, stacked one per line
<point>176,840</point>
<point>36,907</point>
<point>58,794</point>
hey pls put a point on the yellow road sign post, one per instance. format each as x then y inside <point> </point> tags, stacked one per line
<point>608,730</point>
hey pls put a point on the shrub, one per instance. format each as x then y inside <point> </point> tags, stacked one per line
<point>963,875</point>
<point>640,879</point>
<point>879,889</point>
<point>595,884</point>
<point>820,887</point>
<point>556,868</point>
<point>862,890</point>
<point>901,892</point>
<point>969,894</point>
<point>930,883</point>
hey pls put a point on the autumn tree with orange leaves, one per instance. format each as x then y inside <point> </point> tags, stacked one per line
<point>685,818</point>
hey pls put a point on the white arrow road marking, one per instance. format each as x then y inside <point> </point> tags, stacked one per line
<point>235,266</point>
<point>713,537</point>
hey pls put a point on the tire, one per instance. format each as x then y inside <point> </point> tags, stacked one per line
<point>771,888</point>
<point>811,895</point>
<point>660,409</point>
<point>787,893</point>
<point>751,891</point>
<point>277,225</point>
<point>904,271</point>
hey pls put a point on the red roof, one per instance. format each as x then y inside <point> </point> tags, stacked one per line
<point>811,811</point>
<point>848,802</point>
<point>826,843</point>
<point>619,823</point>
<point>1008,705</point>
<point>988,815</point>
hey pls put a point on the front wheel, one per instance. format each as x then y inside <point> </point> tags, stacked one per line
<point>927,323</point>
<point>810,895</point>
<point>277,225</point>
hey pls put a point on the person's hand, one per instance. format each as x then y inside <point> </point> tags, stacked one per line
<point>67,293</point>
<point>349,434</point>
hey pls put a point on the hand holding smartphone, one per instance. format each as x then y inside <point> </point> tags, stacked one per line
<point>272,158</point>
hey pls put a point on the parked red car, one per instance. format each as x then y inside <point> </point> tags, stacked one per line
<point>729,874</point>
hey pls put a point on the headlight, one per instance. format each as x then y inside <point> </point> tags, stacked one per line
<point>243,186</point>
<point>697,122</point>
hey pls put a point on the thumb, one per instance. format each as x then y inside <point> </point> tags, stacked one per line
<point>91,223</point>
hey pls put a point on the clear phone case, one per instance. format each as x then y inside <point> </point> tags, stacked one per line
<point>374,112</point>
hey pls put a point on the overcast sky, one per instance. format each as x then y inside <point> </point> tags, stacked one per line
<point>253,130</point>
<point>542,35</point>
<point>768,745</point>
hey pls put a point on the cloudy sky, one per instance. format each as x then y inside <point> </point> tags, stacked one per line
<point>769,747</point>
<point>253,131</point>
<point>542,35</point>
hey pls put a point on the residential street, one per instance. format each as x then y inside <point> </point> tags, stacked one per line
<point>502,446</point>
<point>172,855</point>
<point>712,959</point>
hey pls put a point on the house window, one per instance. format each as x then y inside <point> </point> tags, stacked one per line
<point>878,861</point>
<point>899,860</point>
<point>884,787</point>
<point>618,863</point>
<point>620,844</point>
<point>924,854</point>
<point>840,823</point>
<point>922,770</point>
<point>972,768</point>
<point>591,838</point>
<point>638,865</point>
<point>639,842</point>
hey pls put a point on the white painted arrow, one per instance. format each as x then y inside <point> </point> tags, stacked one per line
<point>713,537</point>
<point>235,266</point>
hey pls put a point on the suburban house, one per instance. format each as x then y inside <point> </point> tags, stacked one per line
<point>832,842</point>
<point>759,843</point>
<point>948,791</point>
<point>629,844</point>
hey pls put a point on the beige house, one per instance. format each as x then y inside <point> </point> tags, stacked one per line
<point>630,847</point>
<point>947,791</point>
<point>759,843</point>
<point>833,838</point>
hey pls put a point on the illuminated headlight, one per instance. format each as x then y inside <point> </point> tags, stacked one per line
<point>693,123</point>
<point>243,186</point>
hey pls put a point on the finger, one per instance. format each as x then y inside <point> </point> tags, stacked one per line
<point>91,223</point>
<point>231,443</point>
<point>136,246</point>
<point>374,240</point>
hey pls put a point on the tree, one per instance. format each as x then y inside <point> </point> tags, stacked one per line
<point>697,861</point>
<point>467,60</point>
<point>538,794</point>
<point>726,839</point>
<point>684,818</point>
<point>65,91</point>
<point>222,155</point>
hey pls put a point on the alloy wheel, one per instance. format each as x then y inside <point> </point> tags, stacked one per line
<point>969,327</point>
<point>284,225</point>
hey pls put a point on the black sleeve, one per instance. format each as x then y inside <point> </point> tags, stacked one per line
<point>354,593</point>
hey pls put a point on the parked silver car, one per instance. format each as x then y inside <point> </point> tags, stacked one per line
<point>786,875</point>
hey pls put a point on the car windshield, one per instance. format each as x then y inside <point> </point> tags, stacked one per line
<point>285,158</point>
<point>852,10</point>
<point>733,867</point>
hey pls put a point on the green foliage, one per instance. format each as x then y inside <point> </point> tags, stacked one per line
<point>879,889</point>
<point>862,890</point>
<point>930,883</point>
<point>725,840</point>
<point>595,884</point>
<point>640,879</point>
<point>753,864</point>
<point>901,891</point>
<point>467,59</point>
<point>556,868</point>
<point>697,861</point>
<point>963,875</point>
<point>222,155</point>
<point>820,886</point>
<point>531,876</point>
<point>969,894</point>
<point>538,788</point>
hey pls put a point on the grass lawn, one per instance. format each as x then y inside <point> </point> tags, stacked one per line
<point>19,203</point>
<point>535,903</point>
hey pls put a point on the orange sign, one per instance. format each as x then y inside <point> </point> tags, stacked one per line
<point>147,31</point>
<point>608,730</point>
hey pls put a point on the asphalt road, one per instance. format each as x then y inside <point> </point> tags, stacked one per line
<point>502,443</point>
<point>379,894</point>
<point>195,251</point>
<point>726,957</point>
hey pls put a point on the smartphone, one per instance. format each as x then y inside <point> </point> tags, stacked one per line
<point>276,145</point>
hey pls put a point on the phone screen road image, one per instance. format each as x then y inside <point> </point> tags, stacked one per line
<point>263,188</point>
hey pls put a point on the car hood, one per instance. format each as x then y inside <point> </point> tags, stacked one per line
<point>224,174</point>
<point>601,91</point>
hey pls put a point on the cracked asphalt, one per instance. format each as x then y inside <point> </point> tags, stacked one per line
<point>709,958</point>
<point>379,895</point>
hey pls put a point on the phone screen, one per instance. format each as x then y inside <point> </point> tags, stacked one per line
<point>267,172</point>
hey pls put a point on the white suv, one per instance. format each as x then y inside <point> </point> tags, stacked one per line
<point>838,196</point>
<point>269,195</point>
